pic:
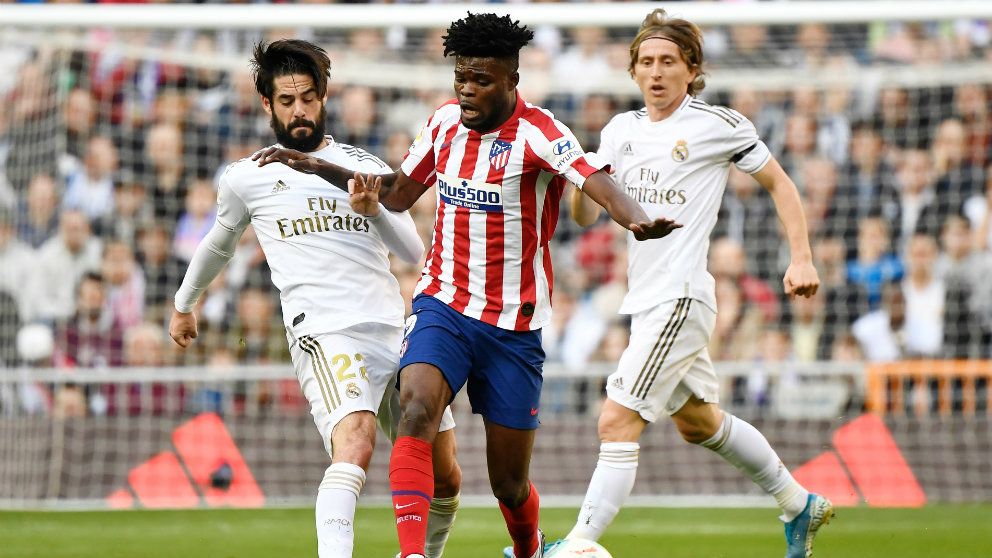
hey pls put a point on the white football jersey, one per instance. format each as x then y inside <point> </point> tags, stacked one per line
<point>329,263</point>
<point>677,169</point>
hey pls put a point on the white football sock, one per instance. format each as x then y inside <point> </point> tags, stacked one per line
<point>611,483</point>
<point>439,520</point>
<point>747,449</point>
<point>335,510</point>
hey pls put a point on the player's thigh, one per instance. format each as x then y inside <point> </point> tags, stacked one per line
<point>344,372</point>
<point>666,343</point>
<point>436,335</point>
<point>507,376</point>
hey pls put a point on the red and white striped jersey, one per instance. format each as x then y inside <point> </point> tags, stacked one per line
<point>498,195</point>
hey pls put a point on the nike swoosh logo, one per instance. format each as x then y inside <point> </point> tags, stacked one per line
<point>533,411</point>
<point>399,507</point>
<point>443,145</point>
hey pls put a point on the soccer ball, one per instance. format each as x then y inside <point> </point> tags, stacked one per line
<point>576,548</point>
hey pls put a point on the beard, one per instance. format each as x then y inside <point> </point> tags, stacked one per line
<point>307,143</point>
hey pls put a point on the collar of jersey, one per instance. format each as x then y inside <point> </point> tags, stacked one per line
<point>671,118</point>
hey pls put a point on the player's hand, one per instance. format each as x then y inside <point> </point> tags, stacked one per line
<point>364,194</point>
<point>801,279</point>
<point>655,229</point>
<point>182,328</point>
<point>292,158</point>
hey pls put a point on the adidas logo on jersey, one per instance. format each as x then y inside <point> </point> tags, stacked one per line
<point>628,150</point>
<point>280,187</point>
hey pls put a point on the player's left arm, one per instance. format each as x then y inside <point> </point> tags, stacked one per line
<point>397,230</point>
<point>801,277</point>
<point>600,188</point>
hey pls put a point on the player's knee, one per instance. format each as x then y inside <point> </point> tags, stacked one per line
<point>620,427</point>
<point>512,493</point>
<point>448,482</point>
<point>417,418</point>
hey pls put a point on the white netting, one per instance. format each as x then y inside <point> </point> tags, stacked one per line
<point>118,118</point>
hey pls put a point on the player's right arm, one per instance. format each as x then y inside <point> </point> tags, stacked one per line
<point>397,193</point>
<point>210,257</point>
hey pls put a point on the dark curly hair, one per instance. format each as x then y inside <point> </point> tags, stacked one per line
<point>286,57</point>
<point>487,36</point>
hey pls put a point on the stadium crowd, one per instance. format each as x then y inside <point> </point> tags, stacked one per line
<point>108,167</point>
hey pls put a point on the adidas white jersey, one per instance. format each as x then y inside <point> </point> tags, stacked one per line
<point>329,263</point>
<point>677,169</point>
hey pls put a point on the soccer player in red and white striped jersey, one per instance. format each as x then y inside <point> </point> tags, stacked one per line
<point>498,166</point>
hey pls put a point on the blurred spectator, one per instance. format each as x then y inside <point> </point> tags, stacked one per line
<point>738,323</point>
<point>357,120</point>
<point>163,270</point>
<point>168,174</point>
<point>727,259</point>
<point>125,283</point>
<point>144,347</point>
<point>18,265</point>
<point>917,195</point>
<point>91,188</point>
<point>747,216</point>
<point>32,124</point>
<point>750,48</point>
<point>867,185</point>
<point>819,178</point>
<point>397,146</point>
<point>808,317</point>
<point>586,57</point>
<point>843,302</point>
<point>881,332</point>
<point>812,42</point>
<point>131,210</point>
<point>876,265</point>
<point>196,220</point>
<point>958,179</point>
<point>62,262</point>
<point>80,116</point>
<point>801,137</point>
<point>901,122</point>
<point>39,211</point>
<point>257,334</point>
<point>593,115</point>
<point>91,338</point>
<point>971,108</point>
<point>968,300</point>
<point>924,293</point>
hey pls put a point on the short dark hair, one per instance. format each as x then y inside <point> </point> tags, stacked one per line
<point>286,57</point>
<point>487,36</point>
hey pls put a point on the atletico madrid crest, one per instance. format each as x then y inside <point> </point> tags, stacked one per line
<point>499,155</point>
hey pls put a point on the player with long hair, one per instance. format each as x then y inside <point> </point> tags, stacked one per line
<point>674,156</point>
<point>328,252</point>
<point>499,166</point>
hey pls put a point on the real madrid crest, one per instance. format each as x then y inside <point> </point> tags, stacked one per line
<point>352,391</point>
<point>680,152</point>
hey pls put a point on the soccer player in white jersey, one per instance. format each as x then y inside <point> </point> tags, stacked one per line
<point>498,166</point>
<point>342,308</point>
<point>673,156</point>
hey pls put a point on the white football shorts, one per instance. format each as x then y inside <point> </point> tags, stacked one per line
<point>667,360</point>
<point>352,370</point>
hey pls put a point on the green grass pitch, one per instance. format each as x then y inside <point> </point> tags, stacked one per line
<point>963,531</point>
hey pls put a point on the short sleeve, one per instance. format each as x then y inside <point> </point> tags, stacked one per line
<point>747,151</point>
<point>232,212</point>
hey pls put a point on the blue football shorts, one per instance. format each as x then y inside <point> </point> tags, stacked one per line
<point>503,368</point>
